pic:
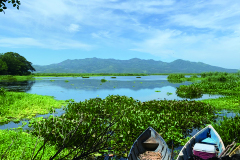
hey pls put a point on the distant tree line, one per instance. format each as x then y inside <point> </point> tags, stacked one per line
<point>14,64</point>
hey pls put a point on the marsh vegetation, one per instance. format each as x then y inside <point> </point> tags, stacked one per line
<point>111,125</point>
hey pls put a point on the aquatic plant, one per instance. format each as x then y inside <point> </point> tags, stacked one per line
<point>88,74</point>
<point>3,92</point>
<point>164,114</point>
<point>8,78</point>
<point>228,128</point>
<point>92,139</point>
<point>174,81</point>
<point>103,80</point>
<point>189,91</point>
<point>175,76</point>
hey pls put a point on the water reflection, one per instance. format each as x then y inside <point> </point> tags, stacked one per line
<point>81,89</point>
<point>20,86</point>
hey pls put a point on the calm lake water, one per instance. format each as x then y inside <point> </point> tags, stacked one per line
<point>81,89</point>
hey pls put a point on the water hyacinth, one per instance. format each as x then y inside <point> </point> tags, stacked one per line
<point>171,118</point>
<point>189,91</point>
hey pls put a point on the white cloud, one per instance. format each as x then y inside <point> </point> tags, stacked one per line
<point>207,48</point>
<point>101,34</point>
<point>43,43</point>
<point>190,29</point>
<point>73,28</point>
<point>19,42</point>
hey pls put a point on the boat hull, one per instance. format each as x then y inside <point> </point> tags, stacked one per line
<point>139,146</point>
<point>187,150</point>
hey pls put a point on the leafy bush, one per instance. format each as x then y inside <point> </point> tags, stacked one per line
<point>3,92</point>
<point>228,129</point>
<point>103,80</point>
<point>176,76</point>
<point>190,91</point>
<point>194,76</point>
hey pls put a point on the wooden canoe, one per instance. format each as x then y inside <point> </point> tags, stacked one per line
<point>205,137</point>
<point>235,151</point>
<point>149,141</point>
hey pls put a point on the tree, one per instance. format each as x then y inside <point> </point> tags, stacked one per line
<point>17,64</point>
<point>3,6</point>
<point>94,140</point>
<point>3,67</point>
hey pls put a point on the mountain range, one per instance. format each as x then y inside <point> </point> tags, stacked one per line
<point>134,65</point>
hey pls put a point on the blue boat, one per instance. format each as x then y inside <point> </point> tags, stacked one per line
<point>151,141</point>
<point>204,144</point>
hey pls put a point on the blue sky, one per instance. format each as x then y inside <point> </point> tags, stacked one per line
<point>51,31</point>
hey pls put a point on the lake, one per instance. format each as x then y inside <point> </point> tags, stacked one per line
<point>81,89</point>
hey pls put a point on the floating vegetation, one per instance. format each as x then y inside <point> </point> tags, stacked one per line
<point>172,119</point>
<point>164,114</point>
<point>103,80</point>
<point>113,77</point>
<point>72,84</point>
<point>66,81</point>
<point>138,77</point>
<point>87,74</point>
<point>85,77</point>
<point>168,93</point>
<point>141,82</point>
<point>226,88</point>
<point>229,129</point>
<point>174,81</point>
<point>8,78</point>
<point>52,80</point>
<point>194,76</point>
<point>207,74</point>
<point>189,91</point>
<point>175,76</point>
<point>16,120</point>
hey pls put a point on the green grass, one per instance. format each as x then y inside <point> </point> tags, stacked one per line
<point>24,143</point>
<point>170,118</point>
<point>16,78</point>
<point>19,105</point>
<point>228,103</point>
